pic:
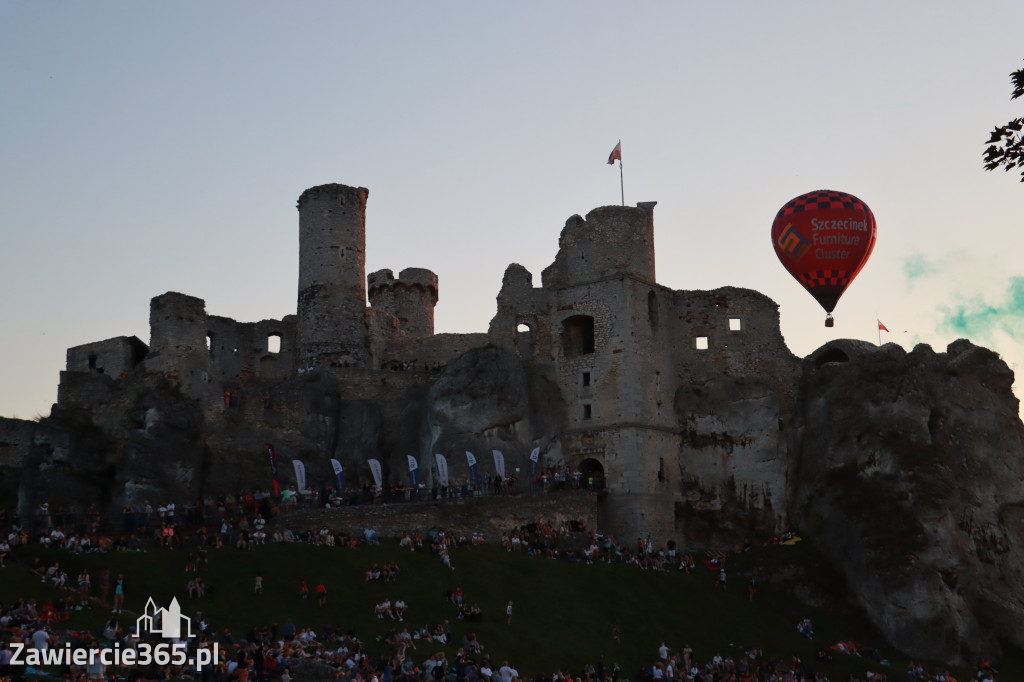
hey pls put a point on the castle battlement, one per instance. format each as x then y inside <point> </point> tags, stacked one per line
<point>410,298</point>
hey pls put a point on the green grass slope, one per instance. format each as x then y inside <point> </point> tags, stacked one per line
<point>564,612</point>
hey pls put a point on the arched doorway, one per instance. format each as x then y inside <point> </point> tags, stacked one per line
<point>593,474</point>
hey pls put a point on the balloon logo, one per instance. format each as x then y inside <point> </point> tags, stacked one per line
<point>823,239</point>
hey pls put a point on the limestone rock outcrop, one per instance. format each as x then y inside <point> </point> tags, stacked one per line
<point>909,474</point>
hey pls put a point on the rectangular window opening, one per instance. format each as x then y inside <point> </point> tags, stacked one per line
<point>701,342</point>
<point>735,324</point>
<point>587,412</point>
<point>586,378</point>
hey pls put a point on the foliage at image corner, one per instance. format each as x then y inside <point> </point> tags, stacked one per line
<point>1006,144</point>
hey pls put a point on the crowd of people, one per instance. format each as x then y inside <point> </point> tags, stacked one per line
<point>421,653</point>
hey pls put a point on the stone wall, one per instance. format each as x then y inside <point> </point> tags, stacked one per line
<point>113,356</point>
<point>16,439</point>
<point>611,241</point>
<point>488,515</point>
<point>239,350</point>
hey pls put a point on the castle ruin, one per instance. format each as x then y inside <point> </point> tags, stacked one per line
<point>635,365</point>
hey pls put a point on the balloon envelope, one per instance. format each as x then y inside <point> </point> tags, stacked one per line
<point>824,238</point>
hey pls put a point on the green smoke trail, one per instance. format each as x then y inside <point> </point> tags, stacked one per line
<point>918,267</point>
<point>978,319</point>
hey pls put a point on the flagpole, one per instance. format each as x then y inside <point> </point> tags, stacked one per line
<point>622,186</point>
<point>878,325</point>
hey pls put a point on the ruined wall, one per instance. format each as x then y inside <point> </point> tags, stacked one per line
<point>177,344</point>
<point>438,349</point>
<point>332,275</point>
<point>240,350</point>
<point>113,356</point>
<point>728,331</point>
<point>16,439</point>
<point>735,391</point>
<point>490,516</point>
<point>610,241</point>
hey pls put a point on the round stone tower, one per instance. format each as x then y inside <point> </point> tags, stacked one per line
<point>332,268</point>
<point>411,298</point>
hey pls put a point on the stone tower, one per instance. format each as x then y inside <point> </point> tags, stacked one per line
<point>178,327</point>
<point>411,298</point>
<point>332,275</point>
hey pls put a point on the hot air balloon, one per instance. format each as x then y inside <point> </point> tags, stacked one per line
<point>824,238</point>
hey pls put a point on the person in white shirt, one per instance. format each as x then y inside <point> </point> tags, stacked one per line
<point>41,639</point>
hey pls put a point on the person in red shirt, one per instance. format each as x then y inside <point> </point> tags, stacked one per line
<point>321,594</point>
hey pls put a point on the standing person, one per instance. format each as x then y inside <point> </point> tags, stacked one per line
<point>258,587</point>
<point>508,613</point>
<point>83,587</point>
<point>41,639</point>
<point>721,578</point>
<point>119,593</point>
<point>321,594</point>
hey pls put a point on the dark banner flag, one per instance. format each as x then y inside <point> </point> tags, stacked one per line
<point>272,460</point>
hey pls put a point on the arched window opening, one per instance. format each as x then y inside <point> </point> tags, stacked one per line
<point>274,343</point>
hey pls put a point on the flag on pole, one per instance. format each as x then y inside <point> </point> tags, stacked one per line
<point>534,458</point>
<point>881,327</point>
<point>339,474</point>
<point>378,474</point>
<point>442,469</point>
<point>616,153</point>
<point>472,467</point>
<point>414,466</point>
<point>499,462</point>
<point>300,475</point>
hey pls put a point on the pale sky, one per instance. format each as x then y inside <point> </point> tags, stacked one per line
<point>155,146</point>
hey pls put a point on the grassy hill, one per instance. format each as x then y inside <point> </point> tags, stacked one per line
<point>564,612</point>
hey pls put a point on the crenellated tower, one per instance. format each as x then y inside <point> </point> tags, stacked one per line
<point>332,275</point>
<point>411,298</point>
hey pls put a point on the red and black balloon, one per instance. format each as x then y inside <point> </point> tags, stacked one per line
<point>824,238</point>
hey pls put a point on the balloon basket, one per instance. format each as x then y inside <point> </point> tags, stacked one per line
<point>829,322</point>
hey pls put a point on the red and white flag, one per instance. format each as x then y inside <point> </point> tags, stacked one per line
<point>616,153</point>
<point>881,327</point>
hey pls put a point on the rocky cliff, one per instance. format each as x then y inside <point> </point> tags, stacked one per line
<point>908,471</point>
